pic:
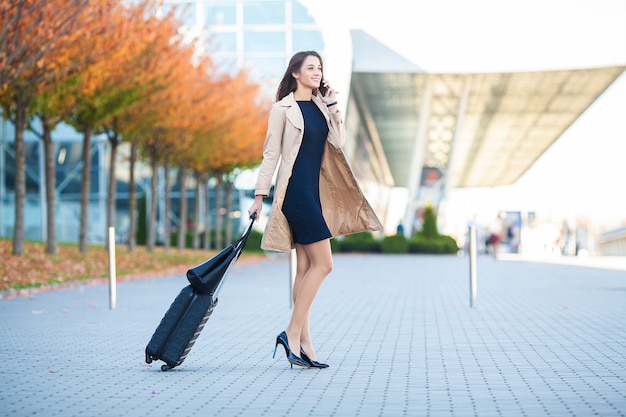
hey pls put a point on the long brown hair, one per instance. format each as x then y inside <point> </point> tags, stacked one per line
<point>288,84</point>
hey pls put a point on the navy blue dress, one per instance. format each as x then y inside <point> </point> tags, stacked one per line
<point>302,206</point>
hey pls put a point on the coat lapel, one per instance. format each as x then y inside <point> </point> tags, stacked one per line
<point>293,113</point>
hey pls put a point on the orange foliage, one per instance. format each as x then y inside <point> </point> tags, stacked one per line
<point>233,125</point>
<point>41,37</point>
<point>136,68</point>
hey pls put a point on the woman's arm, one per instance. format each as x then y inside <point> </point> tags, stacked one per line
<point>337,133</point>
<point>271,154</point>
<point>271,151</point>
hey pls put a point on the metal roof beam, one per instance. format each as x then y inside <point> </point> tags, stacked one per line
<point>417,157</point>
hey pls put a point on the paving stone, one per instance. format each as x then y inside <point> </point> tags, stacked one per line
<point>543,340</point>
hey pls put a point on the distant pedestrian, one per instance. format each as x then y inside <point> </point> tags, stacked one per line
<point>564,238</point>
<point>493,244</point>
<point>316,195</point>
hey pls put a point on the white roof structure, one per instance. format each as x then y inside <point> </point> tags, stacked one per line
<point>471,129</point>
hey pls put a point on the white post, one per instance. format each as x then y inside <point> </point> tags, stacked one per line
<point>292,274</point>
<point>472,257</point>
<point>112,278</point>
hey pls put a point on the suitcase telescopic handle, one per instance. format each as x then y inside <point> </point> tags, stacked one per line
<point>242,240</point>
<point>237,247</point>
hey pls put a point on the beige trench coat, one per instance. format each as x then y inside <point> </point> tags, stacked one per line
<point>344,206</point>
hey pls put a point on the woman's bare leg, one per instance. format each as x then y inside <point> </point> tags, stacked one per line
<point>318,257</point>
<point>303,264</point>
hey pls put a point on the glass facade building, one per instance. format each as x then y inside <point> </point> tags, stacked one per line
<point>257,35</point>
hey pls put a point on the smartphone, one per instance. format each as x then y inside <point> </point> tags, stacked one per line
<point>322,88</point>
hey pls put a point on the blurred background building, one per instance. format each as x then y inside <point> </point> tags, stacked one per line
<point>413,136</point>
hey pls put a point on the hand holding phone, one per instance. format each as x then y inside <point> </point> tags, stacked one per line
<point>322,88</point>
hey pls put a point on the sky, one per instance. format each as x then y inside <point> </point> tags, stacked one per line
<point>583,174</point>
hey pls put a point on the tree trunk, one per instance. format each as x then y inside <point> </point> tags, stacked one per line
<point>20,175</point>
<point>51,185</point>
<point>182,230</point>
<point>153,202</point>
<point>196,213</point>
<point>207,214</point>
<point>229,207</point>
<point>85,189</point>
<point>218,212</point>
<point>132,198</point>
<point>168,207</point>
<point>112,188</point>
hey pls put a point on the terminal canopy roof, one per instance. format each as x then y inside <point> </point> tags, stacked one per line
<point>477,129</point>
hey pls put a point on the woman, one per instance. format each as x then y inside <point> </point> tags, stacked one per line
<point>316,196</point>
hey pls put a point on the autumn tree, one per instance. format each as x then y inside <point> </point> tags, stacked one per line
<point>54,102</point>
<point>162,118</point>
<point>48,108</point>
<point>138,74</point>
<point>72,60</point>
<point>112,84</point>
<point>240,146</point>
<point>232,136</point>
<point>202,96</point>
<point>38,40</point>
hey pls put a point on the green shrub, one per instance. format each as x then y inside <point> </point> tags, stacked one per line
<point>360,242</point>
<point>429,227</point>
<point>421,244</point>
<point>397,243</point>
<point>253,245</point>
<point>253,239</point>
<point>188,239</point>
<point>442,244</point>
<point>449,245</point>
<point>335,245</point>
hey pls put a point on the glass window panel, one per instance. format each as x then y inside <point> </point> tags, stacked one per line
<point>9,166</point>
<point>227,65</point>
<point>301,14</point>
<point>32,167</point>
<point>263,41</point>
<point>263,12</point>
<point>185,13</point>
<point>306,40</point>
<point>69,155</point>
<point>223,41</point>
<point>271,68</point>
<point>220,14</point>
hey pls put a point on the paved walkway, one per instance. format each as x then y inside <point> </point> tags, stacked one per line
<point>398,332</point>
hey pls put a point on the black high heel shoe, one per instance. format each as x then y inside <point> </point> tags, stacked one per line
<point>293,359</point>
<point>312,363</point>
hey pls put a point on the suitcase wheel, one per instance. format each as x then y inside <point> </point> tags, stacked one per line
<point>165,368</point>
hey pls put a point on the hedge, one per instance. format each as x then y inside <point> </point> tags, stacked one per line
<point>366,243</point>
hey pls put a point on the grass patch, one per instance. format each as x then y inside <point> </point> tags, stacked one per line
<point>36,268</point>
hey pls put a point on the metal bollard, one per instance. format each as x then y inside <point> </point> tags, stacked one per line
<point>472,258</point>
<point>112,278</point>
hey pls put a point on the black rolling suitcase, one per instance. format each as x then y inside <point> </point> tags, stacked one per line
<point>179,329</point>
<point>186,317</point>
